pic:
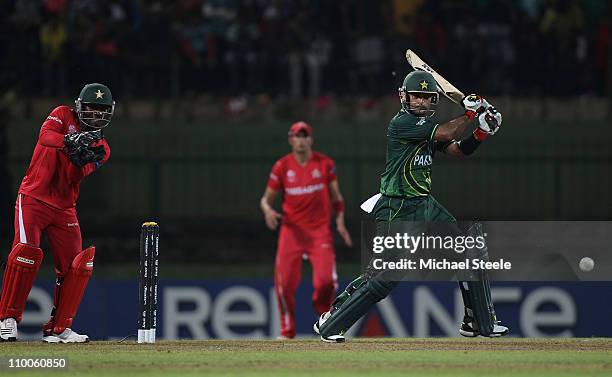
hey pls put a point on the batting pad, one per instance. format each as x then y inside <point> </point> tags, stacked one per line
<point>359,302</point>
<point>479,293</point>
<point>479,289</point>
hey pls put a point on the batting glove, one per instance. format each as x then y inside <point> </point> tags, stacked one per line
<point>474,105</point>
<point>488,123</point>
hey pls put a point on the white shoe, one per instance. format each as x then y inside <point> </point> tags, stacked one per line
<point>333,338</point>
<point>282,337</point>
<point>8,330</point>
<point>67,336</point>
<point>467,329</point>
<point>338,338</point>
<point>317,325</point>
<point>499,330</point>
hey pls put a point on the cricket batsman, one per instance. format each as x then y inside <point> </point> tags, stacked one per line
<point>70,147</point>
<point>311,191</point>
<point>405,196</point>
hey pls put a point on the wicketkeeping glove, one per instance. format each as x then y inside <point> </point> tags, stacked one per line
<point>474,105</point>
<point>86,155</point>
<point>78,141</point>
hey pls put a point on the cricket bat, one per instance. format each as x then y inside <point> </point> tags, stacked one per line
<point>444,87</point>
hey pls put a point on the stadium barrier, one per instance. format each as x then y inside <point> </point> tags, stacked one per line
<point>232,309</point>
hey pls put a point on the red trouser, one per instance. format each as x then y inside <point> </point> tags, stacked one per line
<point>73,267</point>
<point>33,217</point>
<point>293,243</point>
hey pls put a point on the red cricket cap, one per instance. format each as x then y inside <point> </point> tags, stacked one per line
<point>299,127</point>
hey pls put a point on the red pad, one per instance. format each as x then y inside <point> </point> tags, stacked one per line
<point>21,268</point>
<point>48,326</point>
<point>73,289</point>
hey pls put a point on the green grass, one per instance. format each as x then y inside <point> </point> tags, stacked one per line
<point>381,357</point>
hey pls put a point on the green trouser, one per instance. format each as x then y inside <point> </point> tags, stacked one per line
<point>425,208</point>
<point>392,215</point>
<point>413,216</point>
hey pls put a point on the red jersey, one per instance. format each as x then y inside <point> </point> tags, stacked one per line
<point>51,177</point>
<point>305,189</point>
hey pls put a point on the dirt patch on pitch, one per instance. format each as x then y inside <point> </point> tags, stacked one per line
<point>375,344</point>
<point>363,344</point>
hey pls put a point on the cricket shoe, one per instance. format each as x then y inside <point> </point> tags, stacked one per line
<point>8,330</point>
<point>467,329</point>
<point>338,338</point>
<point>328,339</point>
<point>498,330</point>
<point>67,336</point>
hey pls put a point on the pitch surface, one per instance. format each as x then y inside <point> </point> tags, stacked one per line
<point>381,357</point>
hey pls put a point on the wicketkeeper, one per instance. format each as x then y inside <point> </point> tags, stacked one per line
<point>405,195</point>
<point>70,147</point>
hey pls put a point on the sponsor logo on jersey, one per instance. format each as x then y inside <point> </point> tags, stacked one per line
<point>303,190</point>
<point>422,160</point>
<point>72,224</point>
<point>58,120</point>
<point>316,173</point>
<point>290,175</point>
<point>421,122</point>
<point>25,260</point>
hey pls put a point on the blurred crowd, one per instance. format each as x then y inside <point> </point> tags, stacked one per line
<point>302,48</point>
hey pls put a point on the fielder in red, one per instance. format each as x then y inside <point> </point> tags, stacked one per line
<point>70,147</point>
<point>310,190</point>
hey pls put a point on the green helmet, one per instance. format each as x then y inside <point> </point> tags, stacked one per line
<point>95,105</point>
<point>418,82</point>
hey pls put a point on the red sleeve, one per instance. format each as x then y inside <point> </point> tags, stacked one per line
<point>54,128</point>
<point>330,170</point>
<point>276,175</point>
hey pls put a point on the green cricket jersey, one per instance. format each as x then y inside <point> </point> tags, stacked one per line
<point>410,151</point>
